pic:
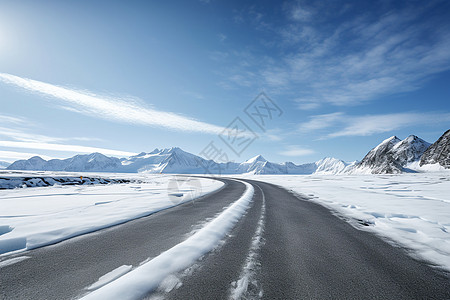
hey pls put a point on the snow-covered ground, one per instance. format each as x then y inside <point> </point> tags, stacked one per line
<point>36,216</point>
<point>412,210</point>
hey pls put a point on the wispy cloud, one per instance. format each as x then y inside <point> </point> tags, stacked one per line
<point>21,129</point>
<point>11,120</point>
<point>192,94</point>
<point>20,135</point>
<point>11,156</point>
<point>222,37</point>
<point>369,124</point>
<point>364,58</point>
<point>321,121</point>
<point>63,148</point>
<point>319,59</point>
<point>112,109</point>
<point>296,151</point>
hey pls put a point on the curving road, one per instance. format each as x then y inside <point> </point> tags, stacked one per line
<point>304,252</point>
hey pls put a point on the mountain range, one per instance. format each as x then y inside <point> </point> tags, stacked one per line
<point>392,156</point>
<point>174,160</point>
<point>4,164</point>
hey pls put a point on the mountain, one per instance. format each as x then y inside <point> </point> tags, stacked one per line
<point>32,164</point>
<point>94,162</point>
<point>330,165</point>
<point>439,152</point>
<point>392,156</point>
<point>175,160</point>
<point>4,164</point>
<point>170,160</point>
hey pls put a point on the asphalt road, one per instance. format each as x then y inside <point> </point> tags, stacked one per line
<point>64,270</point>
<point>305,253</point>
<point>309,253</point>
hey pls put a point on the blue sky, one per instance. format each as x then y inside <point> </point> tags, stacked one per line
<point>130,76</point>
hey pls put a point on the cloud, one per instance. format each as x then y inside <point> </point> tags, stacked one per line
<point>321,121</point>
<point>364,58</point>
<point>222,37</point>
<point>195,95</point>
<point>329,53</point>
<point>366,125</point>
<point>298,12</point>
<point>373,124</point>
<point>305,104</point>
<point>11,156</point>
<point>20,135</point>
<point>11,120</point>
<point>112,109</point>
<point>64,148</point>
<point>296,151</point>
<point>21,129</point>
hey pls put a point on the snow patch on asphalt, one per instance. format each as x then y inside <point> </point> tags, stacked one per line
<point>113,275</point>
<point>247,286</point>
<point>146,278</point>
<point>12,261</point>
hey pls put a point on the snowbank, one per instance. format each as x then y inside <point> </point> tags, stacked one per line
<point>412,210</point>
<point>38,216</point>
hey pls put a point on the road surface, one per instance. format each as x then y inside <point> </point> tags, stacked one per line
<point>304,252</point>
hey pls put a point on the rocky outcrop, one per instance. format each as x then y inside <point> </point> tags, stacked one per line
<point>439,152</point>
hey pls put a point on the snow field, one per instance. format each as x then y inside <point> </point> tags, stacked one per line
<point>412,210</point>
<point>39,216</point>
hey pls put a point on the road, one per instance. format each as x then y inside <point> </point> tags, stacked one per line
<point>304,252</point>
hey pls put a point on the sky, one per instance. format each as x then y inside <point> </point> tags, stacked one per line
<point>291,80</point>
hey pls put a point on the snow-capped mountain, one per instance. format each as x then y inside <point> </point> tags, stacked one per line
<point>171,160</point>
<point>4,164</point>
<point>94,162</point>
<point>409,150</point>
<point>175,160</point>
<point>438,153</point>
<point>35,163</point>
<point>330,165</point>
<point>392,156</point>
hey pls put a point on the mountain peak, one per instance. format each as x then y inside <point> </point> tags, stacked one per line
<point>36,158</point>
<point>256,159</point>
<point>392,139</point>
<point>439,152</point>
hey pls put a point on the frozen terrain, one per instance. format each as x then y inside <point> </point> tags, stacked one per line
<point>37,216</point>
<point>412,210</point>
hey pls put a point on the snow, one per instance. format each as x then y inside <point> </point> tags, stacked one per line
<point>12,261</point>
<point>240,288</point>
<point>111,276</point>
<point>38,216</point>
<point>175,161</point>
<point>147,277</point>
<point>255,159</point>
<point>4,164</point>
<point>412,210</point>
<point>392,156</point>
